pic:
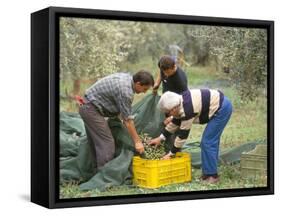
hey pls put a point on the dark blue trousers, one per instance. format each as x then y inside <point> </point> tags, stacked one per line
<point>211,138</point>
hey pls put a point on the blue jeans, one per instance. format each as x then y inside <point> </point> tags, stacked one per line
<point>211,138</point>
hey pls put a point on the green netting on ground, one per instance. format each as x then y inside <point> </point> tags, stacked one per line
<point>227,156</point>
<point>78,164</point>
<point>148,119</point>
<point>81,166</point>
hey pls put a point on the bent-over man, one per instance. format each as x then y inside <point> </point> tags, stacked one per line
<point>203,106</point>
<point>109,97</point>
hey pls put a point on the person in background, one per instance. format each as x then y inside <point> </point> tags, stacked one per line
<point>112,96</point>
<point>203,106</point>
<point>172,77</point>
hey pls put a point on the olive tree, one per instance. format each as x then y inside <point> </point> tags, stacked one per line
<point>89,49</point>
<point>243,50</point>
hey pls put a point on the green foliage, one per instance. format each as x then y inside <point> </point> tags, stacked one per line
<point>242,50</point>
<point>150,39</point>
<point>90,48</point>
<point>93,48</point>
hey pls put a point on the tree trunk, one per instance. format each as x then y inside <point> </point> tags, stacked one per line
<point>76,86</point>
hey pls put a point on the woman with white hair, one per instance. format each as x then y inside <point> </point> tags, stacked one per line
<point>196,106</point>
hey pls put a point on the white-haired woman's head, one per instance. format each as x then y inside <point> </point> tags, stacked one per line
<point>169,101</point>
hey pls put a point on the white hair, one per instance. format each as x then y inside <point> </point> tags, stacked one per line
<point>168,101</point>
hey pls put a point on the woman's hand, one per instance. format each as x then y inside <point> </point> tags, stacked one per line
<point>155,141</point>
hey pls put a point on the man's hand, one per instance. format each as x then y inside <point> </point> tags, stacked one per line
<point>168,120</point>
<point>129,123</point>
<point>139,147</point>
<point>167,156</point>
<point>155,141</point>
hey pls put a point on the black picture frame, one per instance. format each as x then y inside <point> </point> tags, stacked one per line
<point>45,106</point>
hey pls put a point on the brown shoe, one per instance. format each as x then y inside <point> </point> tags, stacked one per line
<point>210,179</point>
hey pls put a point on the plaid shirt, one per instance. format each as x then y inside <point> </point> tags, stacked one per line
<point>113,95</point>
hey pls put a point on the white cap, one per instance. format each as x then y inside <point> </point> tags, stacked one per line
<point>168,101</point>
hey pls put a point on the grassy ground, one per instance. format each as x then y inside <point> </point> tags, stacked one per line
<point>230,179</point>
<point>247,124</point>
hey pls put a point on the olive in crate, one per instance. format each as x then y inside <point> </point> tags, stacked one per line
<point>152,152</point>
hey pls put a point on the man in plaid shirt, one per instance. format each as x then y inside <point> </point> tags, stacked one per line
<point>112,96</point>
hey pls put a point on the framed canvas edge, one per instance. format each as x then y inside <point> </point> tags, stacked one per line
<point>54,202</point>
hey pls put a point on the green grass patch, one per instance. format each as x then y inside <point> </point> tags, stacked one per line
<point>230,179</point>
<point>198,76</point>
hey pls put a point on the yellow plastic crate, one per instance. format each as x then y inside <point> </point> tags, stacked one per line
<point>157,173</point>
